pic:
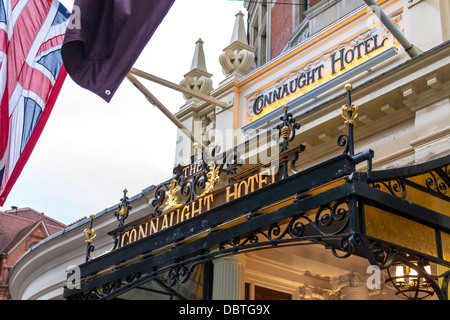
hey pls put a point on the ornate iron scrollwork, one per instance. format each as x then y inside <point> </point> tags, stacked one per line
<point>349,113</point>
<point>194,180</point>
<point>287,129</point>
<point>177,274</point>
<point>160,198</point>
<point>123,209</point>
<point>330,221</point>
<point>106,289</point>
<point>395,186</point>
<point>436,181</point>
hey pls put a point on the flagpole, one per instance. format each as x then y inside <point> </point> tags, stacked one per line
<point>153,100</point>
<point>410,49</point>
<point>177,87</point>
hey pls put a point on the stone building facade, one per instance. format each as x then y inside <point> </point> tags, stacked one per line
<point>299,63</point>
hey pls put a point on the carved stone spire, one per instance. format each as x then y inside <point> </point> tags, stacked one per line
<point>198,79</point>
<point>239,29</point>
<point>238,57</point>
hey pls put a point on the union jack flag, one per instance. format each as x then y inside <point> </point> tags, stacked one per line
<point>31,76</point>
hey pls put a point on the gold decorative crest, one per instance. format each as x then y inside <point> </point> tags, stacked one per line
<point>172,198</point>
<point>345,110</point>
<point>90,235</point>
<point>213,176</point>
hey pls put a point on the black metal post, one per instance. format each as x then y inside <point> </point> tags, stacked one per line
<point>90,235</point>
<point>207,280</point>
<point>351,143</point>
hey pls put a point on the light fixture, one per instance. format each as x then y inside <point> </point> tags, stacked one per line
<point>407,283</point>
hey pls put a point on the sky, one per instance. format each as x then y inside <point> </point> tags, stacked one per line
<point>91,150</point>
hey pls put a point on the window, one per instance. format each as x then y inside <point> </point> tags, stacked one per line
<point>259,26</point>
<point>299,8</point>
<point>262,293</point>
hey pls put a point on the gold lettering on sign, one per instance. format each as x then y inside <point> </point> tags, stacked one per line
<point>142,233</point>
<point>192,169</point>
<point>203,204</point>
<point>249,184</point>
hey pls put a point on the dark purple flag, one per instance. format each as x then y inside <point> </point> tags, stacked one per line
<point>102,45</point>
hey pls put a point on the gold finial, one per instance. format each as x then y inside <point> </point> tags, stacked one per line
<point>348,87</point>
<point>92,216</point>
<point>125,191</point>
<point>286,108</point>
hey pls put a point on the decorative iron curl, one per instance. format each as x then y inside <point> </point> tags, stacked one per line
<point>158,201</point>
<point>89,249</point>
<point>330,213</point>
<point>107,288</point>
<point>395,186</point>
<point>296,228</point>
<point>436,184</point>
<point>342,141</point>
<point>123,209</point>
<point>179,273</point>
<point>378,255</point>
<point>346,245</point>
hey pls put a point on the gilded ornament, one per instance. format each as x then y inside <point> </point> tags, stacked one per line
<point>285,132</point>
<point>354,113</point>
<point>172,198</point>
<point>213,177</point>
<point>123,211</point>
<point>90,235</point>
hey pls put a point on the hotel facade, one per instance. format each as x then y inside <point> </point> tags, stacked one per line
<point>318,169</point>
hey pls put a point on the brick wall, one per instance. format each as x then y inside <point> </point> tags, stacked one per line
<point>281,28</point>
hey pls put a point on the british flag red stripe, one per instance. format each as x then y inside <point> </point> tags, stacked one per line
<point>31,76</point>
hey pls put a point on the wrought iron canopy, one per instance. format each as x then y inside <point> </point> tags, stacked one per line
<point>329,204</point>
<point>389,216</point>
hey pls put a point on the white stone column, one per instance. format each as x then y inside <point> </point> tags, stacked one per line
<point>228,280</point>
